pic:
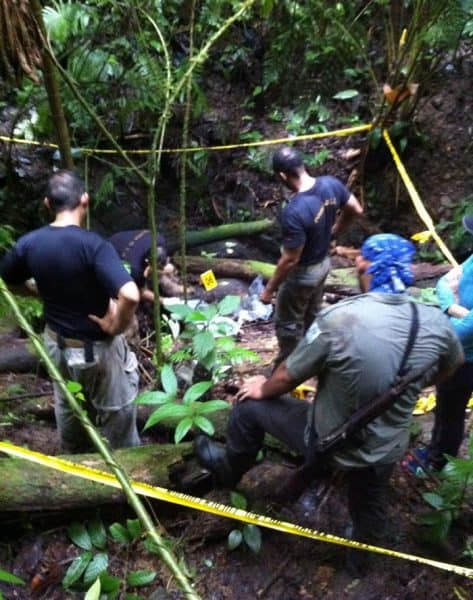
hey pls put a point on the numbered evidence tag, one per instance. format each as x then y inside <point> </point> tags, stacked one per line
<point>208,280</point>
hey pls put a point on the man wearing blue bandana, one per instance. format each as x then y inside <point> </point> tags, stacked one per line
<point>355,349</point>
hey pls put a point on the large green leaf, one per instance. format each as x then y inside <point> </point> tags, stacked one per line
<point>97,533</point>
<point>203,344</point>
<point>167,411</point>
<point>80,536</point>
<point>179,310</point>
<point>210,406</point>
<point>196,391</point>
<point>97,565</point>
<point>204,424</point>
<point>76,568</point>
<point>252,537</point>
<point>169,381</point>
<point>140,578</point>
<point>182,428</point>
<point>154,397</point>
<point>228,305</point>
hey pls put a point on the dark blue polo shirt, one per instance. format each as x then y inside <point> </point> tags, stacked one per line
<point>309,217</point>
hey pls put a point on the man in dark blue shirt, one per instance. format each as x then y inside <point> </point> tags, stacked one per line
<point>320,209</point>
<point>89,300</point>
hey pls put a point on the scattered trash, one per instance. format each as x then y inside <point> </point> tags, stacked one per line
<point>252,309</point>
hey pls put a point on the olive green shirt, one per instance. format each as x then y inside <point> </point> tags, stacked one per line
<point>355,349</point>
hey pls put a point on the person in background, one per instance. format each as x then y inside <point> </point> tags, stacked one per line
<point>134,247</point>
<point>320,209</point>
<point>455,296</point>
<point>355,349</point>
<point>89,300</point>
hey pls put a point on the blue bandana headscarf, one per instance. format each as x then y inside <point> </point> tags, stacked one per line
<point>391,258</point>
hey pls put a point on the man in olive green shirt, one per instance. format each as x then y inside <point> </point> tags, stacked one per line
<point>355,349</point>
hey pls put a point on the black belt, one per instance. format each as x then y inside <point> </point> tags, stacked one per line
<point>64,342</point>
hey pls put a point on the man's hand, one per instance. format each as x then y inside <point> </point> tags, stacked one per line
<point>266,297</point>
<point>252,388</point>
<point>107,323</point>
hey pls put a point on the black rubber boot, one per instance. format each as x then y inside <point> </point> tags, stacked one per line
<point>228,468</point>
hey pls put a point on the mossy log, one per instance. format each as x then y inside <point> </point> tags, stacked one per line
<point>222,232</point>
<point>227,267</point>
<point>31,487</point>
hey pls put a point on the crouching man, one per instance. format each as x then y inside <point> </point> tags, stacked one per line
<point>134,248</point>
<point>89,299</point>
<point>356,349</point>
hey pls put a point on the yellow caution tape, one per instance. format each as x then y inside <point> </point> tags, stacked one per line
<point>208,280</point>
<point>216,508</point>
<point>296,138</point>
<point>301,391</point>
<point>420,208</point>
<point>426,403</point>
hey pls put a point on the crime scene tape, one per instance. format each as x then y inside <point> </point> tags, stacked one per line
<point>216,508</point>
<point>296,138</point>
<point>418,205</point>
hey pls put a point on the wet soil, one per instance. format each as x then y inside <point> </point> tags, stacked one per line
<point>287,567</point>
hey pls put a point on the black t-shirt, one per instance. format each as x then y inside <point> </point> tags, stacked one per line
<point>309,217</point>
<point>134,247</point>
<point>76,271</point>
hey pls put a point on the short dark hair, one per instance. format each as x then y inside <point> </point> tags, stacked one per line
<point>288,160</point>
<point>64,190</point>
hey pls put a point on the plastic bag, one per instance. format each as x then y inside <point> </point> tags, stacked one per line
<point>252,309</point>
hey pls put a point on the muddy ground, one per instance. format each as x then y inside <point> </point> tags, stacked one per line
<point>287,567</point>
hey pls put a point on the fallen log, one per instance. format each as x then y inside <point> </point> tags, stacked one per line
<point>222,232</point>
<point>30,487</point>
<point>16,356</point>
<point>227,267</point>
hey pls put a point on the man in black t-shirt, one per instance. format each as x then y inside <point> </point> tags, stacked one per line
<point>134,248</point>
<point>320,209</point>
<point>89,300</point>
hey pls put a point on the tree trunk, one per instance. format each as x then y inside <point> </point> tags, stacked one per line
<point>228,267</point>
<point>30,487</point>
<point>222,232</point>
<point>52,90</point>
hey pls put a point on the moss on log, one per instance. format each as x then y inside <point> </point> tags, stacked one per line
<point>30,487</point>
<point>222,232</point>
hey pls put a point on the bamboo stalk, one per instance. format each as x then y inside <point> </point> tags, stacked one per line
<point>102,446</point>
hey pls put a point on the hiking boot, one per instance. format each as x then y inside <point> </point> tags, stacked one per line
<point>228,468</point>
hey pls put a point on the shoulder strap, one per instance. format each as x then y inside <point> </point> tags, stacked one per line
<point>130,244</point>
<point>414,329</point>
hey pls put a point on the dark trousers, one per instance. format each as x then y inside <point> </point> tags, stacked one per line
<point>286,419</point>
<point>452,399</point>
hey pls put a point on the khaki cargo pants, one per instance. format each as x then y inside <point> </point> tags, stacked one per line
<point>297,304</point>
<point>109,384</point>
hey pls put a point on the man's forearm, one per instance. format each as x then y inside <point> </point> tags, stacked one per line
<point>279,383</point>
<point>128,299</point>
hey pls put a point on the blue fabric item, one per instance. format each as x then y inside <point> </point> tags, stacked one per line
<point>391,257</point>
<point>446,297</point>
